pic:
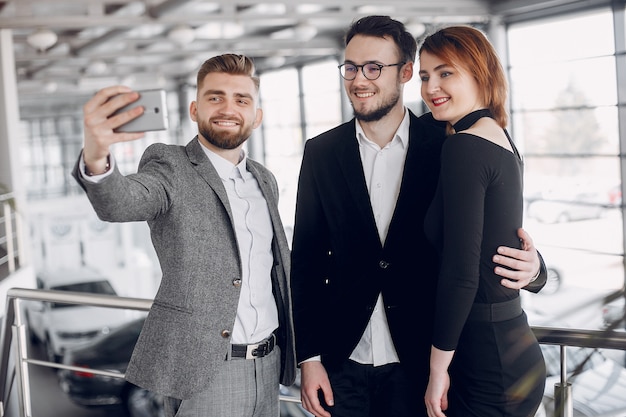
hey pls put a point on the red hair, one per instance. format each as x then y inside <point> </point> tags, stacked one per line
<point>469,48</point>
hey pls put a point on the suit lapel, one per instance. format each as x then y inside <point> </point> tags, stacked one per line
<point>207,171</point>
<point>270,197</point>
<point>349,159</point>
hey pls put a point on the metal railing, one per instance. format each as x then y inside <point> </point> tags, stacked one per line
<point>10,235</point>
<point>563,402</point>
<point>14,335</point>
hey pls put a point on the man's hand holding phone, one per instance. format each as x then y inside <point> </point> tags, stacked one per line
<point>103,123</point>
<point>154,116</point>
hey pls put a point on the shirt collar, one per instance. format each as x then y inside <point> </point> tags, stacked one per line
<point>401,135</point>
<point>223,166</point>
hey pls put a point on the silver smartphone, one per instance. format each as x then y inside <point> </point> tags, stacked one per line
<point>154,116</point>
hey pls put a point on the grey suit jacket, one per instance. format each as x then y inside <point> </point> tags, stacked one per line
<point>179,193</point>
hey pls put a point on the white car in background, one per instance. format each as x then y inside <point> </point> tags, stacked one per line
<point>562,209</point>
<point>60,326</point>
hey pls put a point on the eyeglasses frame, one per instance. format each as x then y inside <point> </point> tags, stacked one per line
<point>380,69</point>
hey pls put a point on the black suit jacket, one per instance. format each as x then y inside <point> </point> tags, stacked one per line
<point>338,263</point>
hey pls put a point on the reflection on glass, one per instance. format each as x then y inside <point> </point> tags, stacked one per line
<point>562,38</point>
<point>564,84</point>
<point>578,131</point>
<point>565,120</point>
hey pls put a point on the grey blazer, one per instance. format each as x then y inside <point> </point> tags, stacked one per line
<point>185,337</point>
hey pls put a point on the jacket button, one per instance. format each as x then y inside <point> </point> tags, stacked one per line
<point>225,334</point>
<point>237,282</point>
<point>383,264</point>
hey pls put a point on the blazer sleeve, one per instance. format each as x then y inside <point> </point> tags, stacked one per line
<point>538,284</point>
<point>135,197</point>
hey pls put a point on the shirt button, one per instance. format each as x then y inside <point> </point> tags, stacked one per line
<point>383,264</point>
<point>237,283</point>
<point>225,334</point>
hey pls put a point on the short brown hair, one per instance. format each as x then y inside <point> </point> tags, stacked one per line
<point>469,48</point>
<point>230,64</point>
<point>382,27</point>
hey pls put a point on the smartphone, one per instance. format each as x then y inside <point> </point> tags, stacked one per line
<point>154,116</point>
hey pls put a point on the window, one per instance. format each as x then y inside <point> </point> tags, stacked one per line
<point>321,91</point>
<point>298,104</point>
<point>565,119</point>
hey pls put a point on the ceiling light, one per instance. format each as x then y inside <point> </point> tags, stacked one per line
<point>417,29</point>
<point>305,32</point>
<point>275,61</point>
<point>97,67</point>
<point>220,30</point>
<point>182,35</point>
<point>50,87</point>
<point>301,32</point>
<point>42,39</point>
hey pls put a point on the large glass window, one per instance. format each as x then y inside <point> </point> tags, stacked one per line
<point>565,118</point>
<point>282,135</point>
<point>321,91</point>
<point>298,104</point>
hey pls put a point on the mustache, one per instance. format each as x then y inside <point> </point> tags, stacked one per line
<point>226,119</point>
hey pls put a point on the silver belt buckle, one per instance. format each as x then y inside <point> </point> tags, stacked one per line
<point>250,349</point>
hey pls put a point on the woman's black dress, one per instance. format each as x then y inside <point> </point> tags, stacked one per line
<point>498,368</point>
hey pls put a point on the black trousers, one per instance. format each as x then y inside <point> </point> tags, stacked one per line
<point>369,391</point>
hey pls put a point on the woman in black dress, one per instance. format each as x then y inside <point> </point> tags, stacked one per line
<point>485,360</point>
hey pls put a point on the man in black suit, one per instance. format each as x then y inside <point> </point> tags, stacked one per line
<point>363,273</point>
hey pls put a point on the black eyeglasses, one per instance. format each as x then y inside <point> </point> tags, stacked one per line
<point>371,70</point>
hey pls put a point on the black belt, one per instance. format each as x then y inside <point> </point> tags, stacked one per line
<point>255,350</point>
<point>506,310</point>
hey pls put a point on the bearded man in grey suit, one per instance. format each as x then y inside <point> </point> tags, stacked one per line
<point>218,339</point>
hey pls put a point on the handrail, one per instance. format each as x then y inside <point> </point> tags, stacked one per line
<point>13,329</point>
<point>580,338</point>
<point>603,339</point>
<point>13,326</point>
<point>6,196</point>
<point>12,232</point>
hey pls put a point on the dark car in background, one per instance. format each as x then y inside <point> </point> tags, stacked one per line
<point>109,352</point>
<point>112,352</point>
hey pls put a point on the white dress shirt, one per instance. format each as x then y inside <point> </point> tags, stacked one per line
<point>383,168</point>
<point>257,314</point>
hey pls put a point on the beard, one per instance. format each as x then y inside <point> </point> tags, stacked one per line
<point>378,113</point>
<point>224,140</point>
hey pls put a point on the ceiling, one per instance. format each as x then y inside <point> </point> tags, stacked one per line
<point>161,43</point>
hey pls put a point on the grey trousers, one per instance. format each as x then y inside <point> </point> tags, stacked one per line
<point>241,388</point>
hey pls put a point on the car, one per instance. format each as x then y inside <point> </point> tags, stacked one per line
<point>553,280</point>
<point>582,207</point>
<point>109,352</point>
<point>112,352</point>
<point>62,326</point>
